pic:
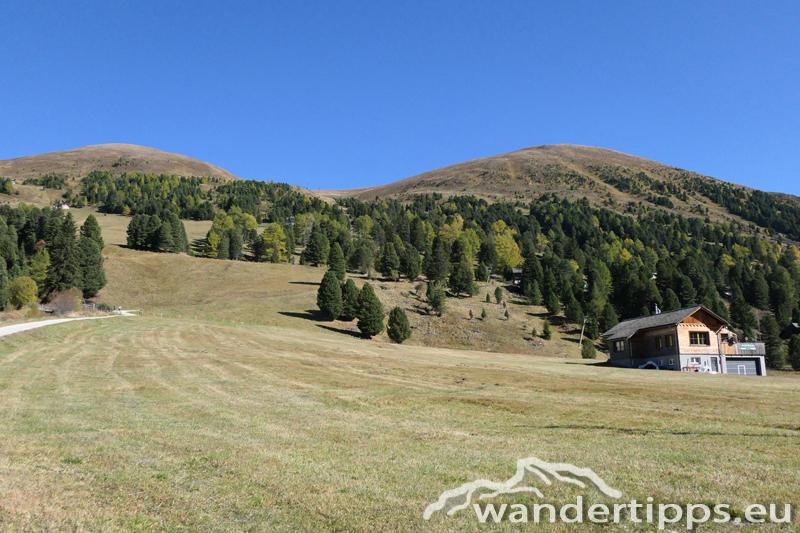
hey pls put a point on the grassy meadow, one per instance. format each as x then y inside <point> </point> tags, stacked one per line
<point>148,424</point>
<point>239,410</point>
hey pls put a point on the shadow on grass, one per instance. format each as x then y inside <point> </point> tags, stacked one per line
<point>311,314</point>
<point>303,283</point>
<point>198,245</point>
<point>342,331</point>
<point>631,431</point>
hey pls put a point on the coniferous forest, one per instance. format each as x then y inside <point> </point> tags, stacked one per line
<point>605,263</point>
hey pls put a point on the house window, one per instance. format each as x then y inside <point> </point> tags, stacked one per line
<point>672,362</point>
<point>659,342</point>
<point>670,341</point>
<point>694,360</point>
<point>698,338</point>
<point>619,346</point>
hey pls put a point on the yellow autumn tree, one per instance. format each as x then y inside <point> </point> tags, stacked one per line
<point>508,253</point>
<point>273,239</point>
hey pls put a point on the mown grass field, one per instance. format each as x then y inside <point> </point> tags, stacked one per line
<point>148,424</point>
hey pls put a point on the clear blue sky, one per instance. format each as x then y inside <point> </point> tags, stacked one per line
<point>349,94</point>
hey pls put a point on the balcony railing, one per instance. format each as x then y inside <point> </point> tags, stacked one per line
<point>743,348</point>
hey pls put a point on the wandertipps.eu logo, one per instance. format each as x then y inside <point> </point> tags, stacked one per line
<point>529,470</point>
<point>533,472</point>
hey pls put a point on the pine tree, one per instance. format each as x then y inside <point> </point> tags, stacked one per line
<point>686,292</point>
<point>390,263</point>
<point>410,263</point>
<point>316,253</point>
<point>481,274</point>
<point>547,334</point>
<point>609,318</point>
<point>471,314</point>
<point>794,352</point>
<point>92,230</point>
<point>461,279</point>
<point>165,242</point>
<point>398,328</point>
<point>536,294</point>
<point>551,303</point>
<point>349,300</point>
<point>152,226</point>
<point>4,289</point>
<point>760,292</point>
<point>370,312</point>
<point>235,244</point>
<point>488,298</point>
<point>498,294</point>
<point>336,261</point>
<point>671,301</point>
<point>573,312</point>
<point>329,296</point>
<point>770,332</point>
<point>436,265</point>
<point>93,275</point>
<point>224,250</point>
<point>436,297</point>
<point>64,271</point>
<point>483,313</point>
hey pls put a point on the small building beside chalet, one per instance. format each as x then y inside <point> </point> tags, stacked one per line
<point>691,339</point>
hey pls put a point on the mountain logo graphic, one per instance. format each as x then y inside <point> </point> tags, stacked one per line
<point>528,470</point>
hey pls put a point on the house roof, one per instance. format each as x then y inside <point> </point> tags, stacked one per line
<point>627,328</point>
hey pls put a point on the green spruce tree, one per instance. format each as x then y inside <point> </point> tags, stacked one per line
<point>349,300</point>
<point>794,352</point>
<point>770,335</point>
<point>91,229</point>
<point>461,278</point>
<point>547,334</point>
<point>64,272</point>
<point>398,328</point>
<point>93,275</point>
<point>436,297</point>
<point>370,312</point>
<point>336,261</point>
<point>329,296</point>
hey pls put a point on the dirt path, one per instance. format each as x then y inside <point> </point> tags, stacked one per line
<point>19,328</point>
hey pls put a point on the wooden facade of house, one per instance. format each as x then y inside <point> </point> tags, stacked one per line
<point>690,339</point>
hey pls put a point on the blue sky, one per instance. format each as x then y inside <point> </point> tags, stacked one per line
<point>349,94</point>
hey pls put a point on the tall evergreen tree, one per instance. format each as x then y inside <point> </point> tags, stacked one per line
<point>389,263</point>
<point>794,352</point>
<point>535,294</point>
<point>329,296</point>
<point>436,265</point>
<point>770,335</point>
<point>436,297</point>
<point>608,319</point>
<point>4,292</point>
<point>398,328</point>
<point>410,263</point>
<point>461,278</point>
<point>91,229</point>
<point>64,271</point>
<point>165,242</point>
<point>370,312</point>
<point>93,275</point>
<point>316,253</point>
<point>349,300</point>
<point>573,312</point>
<point>671,301</point>
<point>224,251</point>
<point>336,261</point>
<point>551,303</point>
